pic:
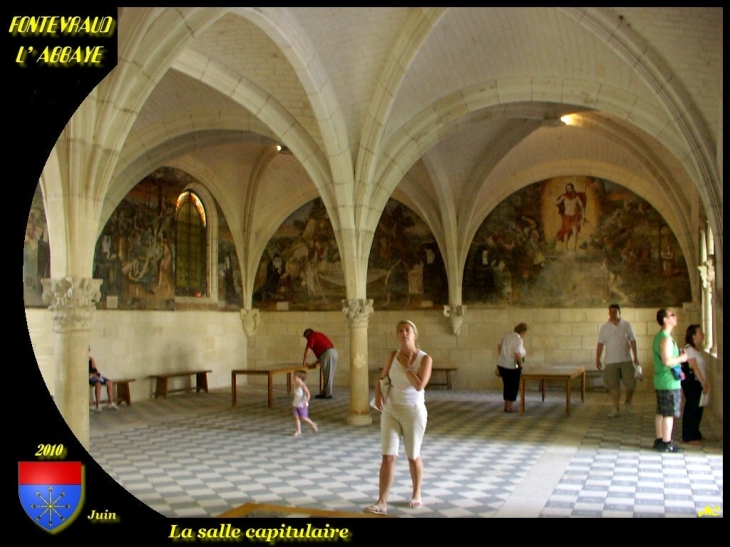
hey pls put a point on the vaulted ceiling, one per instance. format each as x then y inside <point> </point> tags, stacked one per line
<point>449,110</point>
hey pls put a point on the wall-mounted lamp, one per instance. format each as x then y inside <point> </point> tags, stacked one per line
<point>283,149</point>
<point>569,119</point>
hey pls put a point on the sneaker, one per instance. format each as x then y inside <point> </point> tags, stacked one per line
<point>629,408</point>
<point>112,406</point>
<point>670,447</point>
<point>614,413</point>
<point>657,443</point>
<point>95,409</point>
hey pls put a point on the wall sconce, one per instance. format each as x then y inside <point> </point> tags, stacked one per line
<point>569,119</point>
<point>283,149</point>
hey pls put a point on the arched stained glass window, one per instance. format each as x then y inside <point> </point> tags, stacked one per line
<point>190,259</point>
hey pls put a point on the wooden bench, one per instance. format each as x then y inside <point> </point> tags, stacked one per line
<point>445,370</point>
<point>123,394</point>
<point>122,388</point>
<point>447,376</point>
<point>161,382</point>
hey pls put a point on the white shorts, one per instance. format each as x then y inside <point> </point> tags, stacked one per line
<point>407,421</point>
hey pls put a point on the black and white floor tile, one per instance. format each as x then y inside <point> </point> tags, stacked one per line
<point>196,455</point>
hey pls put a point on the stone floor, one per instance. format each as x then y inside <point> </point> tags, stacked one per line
<point>195,455</point>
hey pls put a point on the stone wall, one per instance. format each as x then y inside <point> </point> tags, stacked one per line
<point>135,344</point>
<point>139,343</point>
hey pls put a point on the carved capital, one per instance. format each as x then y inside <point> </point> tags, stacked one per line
<point>251,319</point>
<point>72,301</point>
<point>358,312</point>
<point>456,317</point>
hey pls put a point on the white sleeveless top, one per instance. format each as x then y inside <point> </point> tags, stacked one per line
<point>299,398</point>
<point>402,391</point>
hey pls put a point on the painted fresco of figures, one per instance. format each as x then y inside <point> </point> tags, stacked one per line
<point>229,284</point>
<point>165,270</point>
<point>274,270</point>
<point>311,275</point>
<point>571,207</point>
<point>518,257</point>
<point>435,286</point>
<point>603,236</point>
<point>405,266</point>
<point>135,253</point>
<point>36,255</point>
<point>405,269</point>
<point>301,264</point>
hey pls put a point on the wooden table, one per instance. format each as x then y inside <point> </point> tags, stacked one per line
<point>548,373</point>
<point>270,371</point>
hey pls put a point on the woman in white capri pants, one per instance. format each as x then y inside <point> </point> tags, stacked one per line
<point>404,413</point>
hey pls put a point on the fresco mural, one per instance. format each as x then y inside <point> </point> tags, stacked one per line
<point>301,267</point>
<point>229,272</point>
<point>36,253</point>
<point>405,268</point>
<point>575,242</point>
<point>559,243</point>
<point>135,252</point>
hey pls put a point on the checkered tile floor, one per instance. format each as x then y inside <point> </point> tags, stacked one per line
<point>195,455</point>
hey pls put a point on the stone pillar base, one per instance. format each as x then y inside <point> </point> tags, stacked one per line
<point>359,419</point>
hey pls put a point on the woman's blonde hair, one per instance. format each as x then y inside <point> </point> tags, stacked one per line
<point>407,322</point>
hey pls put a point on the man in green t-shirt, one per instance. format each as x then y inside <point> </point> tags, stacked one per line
<point>668,386</point>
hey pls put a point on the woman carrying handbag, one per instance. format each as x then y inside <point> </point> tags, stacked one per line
<point>404,413</point>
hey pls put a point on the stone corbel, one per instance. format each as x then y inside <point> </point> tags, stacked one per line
<point>72,301</point>
<point>251,319</point>
<point>707,272</point>
<point>358,312</point>
<point>456,317</point>
<point>707,275</point>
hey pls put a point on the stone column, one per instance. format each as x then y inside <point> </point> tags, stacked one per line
<point>72,302</point>
<point>358,314</point>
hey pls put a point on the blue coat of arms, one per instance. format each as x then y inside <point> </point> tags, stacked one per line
<point>51,493</point>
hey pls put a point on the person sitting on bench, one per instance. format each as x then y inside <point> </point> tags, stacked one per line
<point>97,380</point>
